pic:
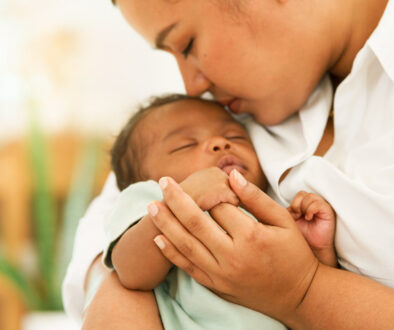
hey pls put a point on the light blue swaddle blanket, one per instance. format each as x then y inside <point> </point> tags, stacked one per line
<point>184,304</point>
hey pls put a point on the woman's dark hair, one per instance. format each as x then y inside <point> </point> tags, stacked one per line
<point>125,156</point>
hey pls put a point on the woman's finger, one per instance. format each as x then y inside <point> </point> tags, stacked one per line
<point>258,203</point>
<point>198,223</point>
<point>231,218</point>
<point>179,260</point>
<point>184,242</point>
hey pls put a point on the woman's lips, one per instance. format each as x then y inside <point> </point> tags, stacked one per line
<point>229,163</point>
<point>235,105</point>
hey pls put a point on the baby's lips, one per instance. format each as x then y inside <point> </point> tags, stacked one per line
<point>229,168</point>
<point>229,163</point>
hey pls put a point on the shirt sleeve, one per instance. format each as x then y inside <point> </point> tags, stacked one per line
<point>129,208</point>
<point>88,244</point>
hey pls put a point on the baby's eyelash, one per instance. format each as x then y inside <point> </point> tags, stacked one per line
<point>188,48</point>
<point>236,137</point>
<point>189,145</point>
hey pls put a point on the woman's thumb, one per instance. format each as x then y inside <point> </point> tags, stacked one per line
<point>265,209</point>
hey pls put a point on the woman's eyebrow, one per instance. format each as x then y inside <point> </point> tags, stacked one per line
<point>162,35</point>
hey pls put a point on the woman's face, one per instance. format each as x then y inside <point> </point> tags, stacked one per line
<point>262,57</point>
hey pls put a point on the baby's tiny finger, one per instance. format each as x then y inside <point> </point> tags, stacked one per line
<point>233,199</point>
<point>296,203</point>
<point>313,208</point>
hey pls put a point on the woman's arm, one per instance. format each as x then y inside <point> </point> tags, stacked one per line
<point>267,266</point>
<point>339,299</point>
<point>114,307</point>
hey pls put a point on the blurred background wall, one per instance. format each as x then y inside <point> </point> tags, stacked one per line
<point>71,73</point>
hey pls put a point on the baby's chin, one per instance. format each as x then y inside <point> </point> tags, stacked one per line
<point>257,181</point>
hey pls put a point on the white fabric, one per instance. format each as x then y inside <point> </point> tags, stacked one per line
<point>356,176</point>
<point>89,242</point>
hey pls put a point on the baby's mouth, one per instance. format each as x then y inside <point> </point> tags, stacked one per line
<point>229,163</point>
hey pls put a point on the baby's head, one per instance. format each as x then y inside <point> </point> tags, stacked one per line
<point>178,135</point>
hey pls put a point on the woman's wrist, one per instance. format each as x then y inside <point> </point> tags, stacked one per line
<point>300,316</point>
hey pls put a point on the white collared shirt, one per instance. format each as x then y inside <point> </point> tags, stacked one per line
<point>356,176</point>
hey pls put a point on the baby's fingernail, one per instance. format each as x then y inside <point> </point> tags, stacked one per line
<point>152,209</point>
<point>159,242</point>
<point>241,181</point>
<point>163,182</point>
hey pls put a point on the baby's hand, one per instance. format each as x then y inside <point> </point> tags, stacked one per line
<point>209,187</point>
<point>316,220</point>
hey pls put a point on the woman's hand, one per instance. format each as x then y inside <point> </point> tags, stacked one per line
<point>266,265</point>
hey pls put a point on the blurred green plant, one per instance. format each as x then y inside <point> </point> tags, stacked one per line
<point>51,233</point>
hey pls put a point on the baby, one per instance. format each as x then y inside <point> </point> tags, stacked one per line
<point>198,144</point>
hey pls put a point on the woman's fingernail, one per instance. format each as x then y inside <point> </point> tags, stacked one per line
<point>152,209</point>
<point>163,182</point>
<point>241,181</point>
<point>159,242</point>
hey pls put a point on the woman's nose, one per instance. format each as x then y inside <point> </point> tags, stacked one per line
<point>195,81</point>
<point>218,143</point>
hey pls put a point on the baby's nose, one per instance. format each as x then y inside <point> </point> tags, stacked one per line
<point>219,144</point>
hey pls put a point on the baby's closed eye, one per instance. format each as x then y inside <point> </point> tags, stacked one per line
<point>236,137</point>
<point>184,146</point>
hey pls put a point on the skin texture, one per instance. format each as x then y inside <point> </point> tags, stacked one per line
<point>256,60</point>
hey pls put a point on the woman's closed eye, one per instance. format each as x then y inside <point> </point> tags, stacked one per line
<point>188,48</point>
<point>183,147</point>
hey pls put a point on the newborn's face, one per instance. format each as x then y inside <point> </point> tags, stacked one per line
<point>189,135</point>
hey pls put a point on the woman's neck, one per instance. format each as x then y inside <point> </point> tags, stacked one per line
<point>361,17</point>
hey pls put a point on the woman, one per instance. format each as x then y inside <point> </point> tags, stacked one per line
<point>265,58</point>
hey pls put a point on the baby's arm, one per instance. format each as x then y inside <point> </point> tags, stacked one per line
<point>316,220</point>
<point>137,260</point>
